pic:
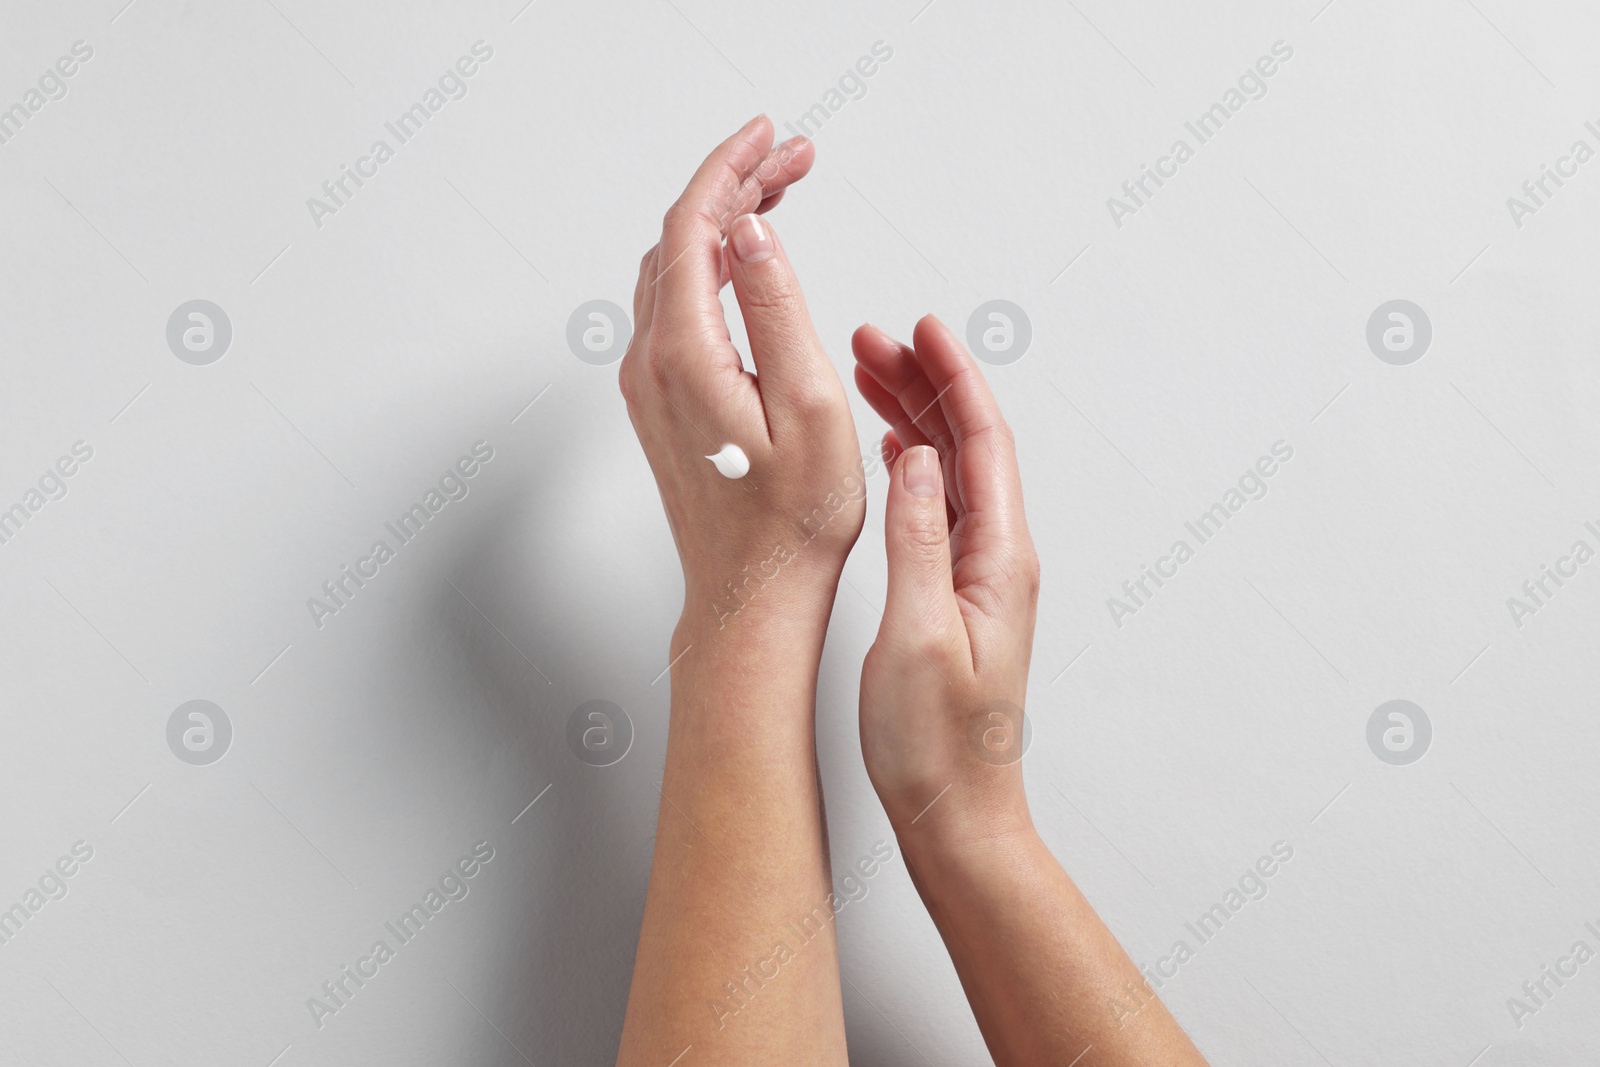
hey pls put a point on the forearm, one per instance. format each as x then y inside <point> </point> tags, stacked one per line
<point>724,962</point>
<point>1043,974</point>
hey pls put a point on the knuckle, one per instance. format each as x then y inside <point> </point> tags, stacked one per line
<point>777,318</point>
<point>776,296</point>
<point>682,221</point>
<point>657,372</point>
<point>1014,580</point>
<point>1029,575</point>
<point>642,372</point>
<point>1000,433</point>
<point>635,380</point>
<point>673,332</point>
<point>931,644</point>
<point>925,537</point>
<point>811,396</point>
<point>628,381</point>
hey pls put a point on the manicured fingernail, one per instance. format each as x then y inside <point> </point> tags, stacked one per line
<point>921,467</point>
<point>750,238</point>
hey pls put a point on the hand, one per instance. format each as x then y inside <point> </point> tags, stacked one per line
<point>801,505</point>
<point>943,687</point>
<point>761,560</point>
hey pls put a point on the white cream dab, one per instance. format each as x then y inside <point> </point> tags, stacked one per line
<point>731,462</point>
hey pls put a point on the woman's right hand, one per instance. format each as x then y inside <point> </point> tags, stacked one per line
<point>941,726</point>
<point>943,687</point>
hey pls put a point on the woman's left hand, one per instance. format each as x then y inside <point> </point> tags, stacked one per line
<point>775,539</point>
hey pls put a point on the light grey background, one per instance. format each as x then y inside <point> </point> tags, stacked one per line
<point>1168,354</point>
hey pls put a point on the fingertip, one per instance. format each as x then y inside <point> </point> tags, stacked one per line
<point>864,381</point>
<point>798,152</point>
<point>932,335</point>
<point>872,346</point>
<point>749,145</point>
<point>890,447</point>
<point>865,334</point>
<point>968,403</point>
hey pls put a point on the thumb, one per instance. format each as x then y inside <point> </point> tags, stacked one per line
<point>921,609</point>
<point>791,369</point>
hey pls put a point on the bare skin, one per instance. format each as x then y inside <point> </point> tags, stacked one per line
<point>741,845</point>
<point>737,960</point>
<point>941,696</point>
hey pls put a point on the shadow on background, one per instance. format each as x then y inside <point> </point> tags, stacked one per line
<point>531,610</point>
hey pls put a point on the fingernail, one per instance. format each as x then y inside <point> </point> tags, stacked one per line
<point>751,240</point>
<point>921,467</point>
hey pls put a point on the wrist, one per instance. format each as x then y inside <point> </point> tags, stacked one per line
<point>959,825</point>
<point>747,606</point>
<point>953,871</point>
<point>776,645</point>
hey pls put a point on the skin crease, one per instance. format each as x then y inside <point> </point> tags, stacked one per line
<point>741,856</point>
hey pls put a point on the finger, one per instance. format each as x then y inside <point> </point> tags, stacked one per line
<point>792,370</point>
<point>786,164</point>
<point>986,461</point>
<point>888,408</point>
<point>691,232</point>
<point>921,608</point>
<point>890,448</point>
<point>905,435</point>
<point>894,366</point>
<point>969,407</point>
